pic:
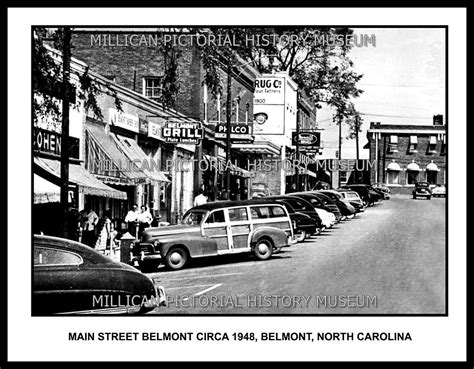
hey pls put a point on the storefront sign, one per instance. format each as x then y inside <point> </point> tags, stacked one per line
<point>237,131</point>
<point>49,142</point>
<point>154,130</point>
<point>186,133</point>
<point>306,138</point>
<point>124,120</point>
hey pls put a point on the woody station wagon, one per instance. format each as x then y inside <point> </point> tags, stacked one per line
<point>216,228</point>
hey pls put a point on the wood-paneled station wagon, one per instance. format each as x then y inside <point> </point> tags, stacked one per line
<point>217,228</point>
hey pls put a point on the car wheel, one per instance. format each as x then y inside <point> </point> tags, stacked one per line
<point>300,236</point>
<point>414,196</point>
<point>176,258</point>
<point>351,216</point>
<point>318,231</point>
<point>263,249</point>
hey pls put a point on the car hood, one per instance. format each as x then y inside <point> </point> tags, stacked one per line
<point>169,230</point>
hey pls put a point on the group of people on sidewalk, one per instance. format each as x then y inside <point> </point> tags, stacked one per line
<point>100,233</point>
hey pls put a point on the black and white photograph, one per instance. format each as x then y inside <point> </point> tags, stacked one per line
<point>240,169</point>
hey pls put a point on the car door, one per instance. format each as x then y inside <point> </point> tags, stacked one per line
<point>239,227</point>
<point>217,228</point>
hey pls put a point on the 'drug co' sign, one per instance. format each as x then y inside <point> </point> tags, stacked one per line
<point>186,133</point>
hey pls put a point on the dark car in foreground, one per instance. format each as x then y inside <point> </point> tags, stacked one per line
<point>422,189</point>
<point>72,278</point>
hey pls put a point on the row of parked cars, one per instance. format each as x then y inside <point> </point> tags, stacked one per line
<point>71,278</point>
<point>260,226</point>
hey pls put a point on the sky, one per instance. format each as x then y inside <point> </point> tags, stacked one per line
<point>403,81</point>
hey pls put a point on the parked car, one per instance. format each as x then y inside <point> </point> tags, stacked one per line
<point>301,206</point>
<point>354,199</point>
<point>217,228</point>
<point>328,219</point>
<point>303,225</point>
<point>422,189</point>
<point>383,189</point>
<point>346,209</point>
<point>321,201</point>
<point>368,196</point>
<point>72,278</point>
<point>439,190</point>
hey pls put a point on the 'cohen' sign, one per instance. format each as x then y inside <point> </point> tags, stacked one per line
<point>306,138</point>
<point>185,133</point>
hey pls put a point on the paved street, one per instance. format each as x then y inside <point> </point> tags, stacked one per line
<point>388,260</point>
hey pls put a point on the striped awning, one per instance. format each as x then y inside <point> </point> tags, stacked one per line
<point>86,182</point>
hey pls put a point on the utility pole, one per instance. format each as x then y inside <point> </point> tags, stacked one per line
<point>297,172</point>
<point>228,114</point>
<point>339,152</point>
<point>357,123</point>
<point>64,194</point>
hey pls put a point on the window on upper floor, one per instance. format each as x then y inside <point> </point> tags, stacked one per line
<point>412,148</point>
<point>393,144</point>
<point>152,87</point>
<point>432,145</point>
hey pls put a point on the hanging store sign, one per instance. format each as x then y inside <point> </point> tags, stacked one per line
<point>185,133</point>
<point>237,131</point>
<point>124,120</point>
<point>306,138</point>
<point>143,126</point>
<point>49,142</point>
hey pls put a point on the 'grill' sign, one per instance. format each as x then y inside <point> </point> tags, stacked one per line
<point>186,133</point>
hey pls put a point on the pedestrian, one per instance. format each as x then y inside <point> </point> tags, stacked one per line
<point>104,231</point>
<point>132,220</point>
<point>145,218</point>
<point>200,199</point>
<point>89,223</point>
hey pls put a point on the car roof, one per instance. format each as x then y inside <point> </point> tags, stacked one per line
<point>88,252</point>
<point>227,204</point>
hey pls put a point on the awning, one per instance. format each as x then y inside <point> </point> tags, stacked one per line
<point>234,169</point>
<point>413,167</point>
<point>394,166</point>
<point>107,162</point>
<point>138,156</point>
<point>86,182</point>
<point>45,191</point>
<point>261,145</point>
<point>432,167</point>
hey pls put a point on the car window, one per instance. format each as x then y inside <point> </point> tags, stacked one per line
<point>238,214</point>
<point>276,212</point>
<point>216,217</point>
<point>48,256</point>
<point>193,218</point>
<point>260,212</point>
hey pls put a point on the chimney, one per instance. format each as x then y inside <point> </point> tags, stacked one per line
<point>438,120</point>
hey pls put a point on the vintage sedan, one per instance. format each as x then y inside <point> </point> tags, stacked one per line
<point>72,278</point>
<point>345,207</point>
<point>422,189</point>
<point>213,229</point>
<point>439,190</point>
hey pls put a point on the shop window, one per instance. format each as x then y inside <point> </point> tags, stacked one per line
<point>152,87</point>
<point>393,177</point>
<point>431,176</point>
<point>412,149</point>
<point>412,177</point>
<point>432,145</point>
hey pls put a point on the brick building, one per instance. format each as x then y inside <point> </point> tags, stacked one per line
<point>405,154</point>
<point>140,66</point>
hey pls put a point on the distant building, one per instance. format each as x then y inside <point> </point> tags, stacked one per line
<point>405,154</point>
